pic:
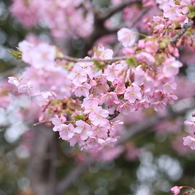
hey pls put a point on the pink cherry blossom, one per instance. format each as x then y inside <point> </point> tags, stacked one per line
<point>175,190</point>
<point>169,87</point>
<point>126,36</point>
<point>151,46</point>
<point>76,139</point>
<point>145,57</point>
<point>58,123</point>
<point>25,12</point>
<point>112,71</point>
<point>132,93</point>
<point>77,75</point>
<point>14,81</point>
<point>191,124</point>
<point>110,99</point>
<point>171,67</point>
<point>101,131</point>
<point>83,129</point>
<point>142,104</point>
<point>67,131</point>
<point>126,108</point>
<point>98,116</point>
<point>82,90</point>
<point>189,141</point>
<point>26,88</point>
<point>40,55</point>
<point>102,53</point>
<point>158,105</point>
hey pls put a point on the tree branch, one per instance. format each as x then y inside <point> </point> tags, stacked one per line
<point>183,30</point>
<point>72,59</point>
<point>41,168</point>
<point>65,183</point>
<point>102,17</point>
<point>99,26</point>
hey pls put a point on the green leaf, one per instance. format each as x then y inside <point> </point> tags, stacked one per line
<point>131,61</point>
<point>191,13</point>
<point>16,54</point>
<point>99,65</point>
<point>79,117</point>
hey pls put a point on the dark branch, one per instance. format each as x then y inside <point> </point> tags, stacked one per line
<point>115,9</point>
<point>99,27</point>
<point>73,176</point>
<point>183,30</point>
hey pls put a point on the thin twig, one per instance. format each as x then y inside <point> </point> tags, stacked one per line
<point>65,183</point>
<point>72,59</point>
<point>183,30</point>
<point>143,12</point>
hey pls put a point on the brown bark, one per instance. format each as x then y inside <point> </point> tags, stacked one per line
<point>41,170</point>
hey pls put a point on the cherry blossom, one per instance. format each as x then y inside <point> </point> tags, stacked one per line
<point>82,98</point>
<point>189,141</point>
<point>127,37</point>
<point>175,190</point>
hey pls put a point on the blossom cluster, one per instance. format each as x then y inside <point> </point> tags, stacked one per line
<point>63,17</point>
<point>190,139</point>
<point>82,100</point>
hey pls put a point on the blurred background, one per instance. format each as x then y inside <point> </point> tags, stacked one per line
<point>152,161</point>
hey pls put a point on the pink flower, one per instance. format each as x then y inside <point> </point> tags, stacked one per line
<point>102,53</point>
<point>76,139</point>
<point>175,190</point>
<point>169,87</point>
<point>26,88</point>
<point>132,93</point>
<point>145,57</point>
<point>40,55</point>
<point>141,44</point>
<point>77,75</point>
<point>82,90</point>
<point>44,55</point>
<point>126,36</point>
<point>126,108</point>
<point>190,124</point>
<point>171,67</point>
<point>189,141</point>
<point>67,131</point>
<point>83,129</point>
<point>112,71</point>
<point>90,103</point>
<point>98,116</point>
<point>120,88</point>
<point>101,131</point>
<point>171,10</point>
<point>110,99</point>
<point>143,104</point>
<point>158,105</point>
<point>170,99</point>
<point>151,46</point>
<point>57,123</point>
<point>14,81</point>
